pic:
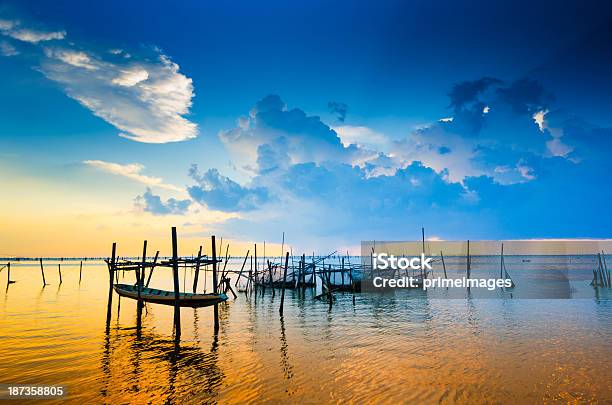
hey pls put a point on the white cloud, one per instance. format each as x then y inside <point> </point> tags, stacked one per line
<point>556,147</point>
<point>131,76</point>
<point>73,58</point>
<point>131,171</point>
<point>13,29</point>
<point>539,119</point>
<point>6,49</point>
<point>525,171</point>
<point>145,99</point>
<point>33,36</point>
<point>362,136</point>
<point>144,96</point>
<point>6,25</point>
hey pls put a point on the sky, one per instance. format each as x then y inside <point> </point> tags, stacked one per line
<point>333,122</point>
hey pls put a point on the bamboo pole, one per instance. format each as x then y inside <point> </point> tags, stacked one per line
<point>140,273</point>
<point>249,286</point>
<point>111,278</point>
<point>242,268</point>
<point>469,264</point>
<point>59,268</point>
<point>197,271</point>
<point>80,271</point>
<point>603,256</point>
<point>255,263</point>
<point>214,257</point>
<point>42,271</point>
<point>600,272</point>
<point>443,264</point>
<point>284,281</point>
<point>303,272</point>
<point>271,278</point>
<point>501,262</point>
<point>423,271</point>
<point>175,279</point>
<point>152,267</point>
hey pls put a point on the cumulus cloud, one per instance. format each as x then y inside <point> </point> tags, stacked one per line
<point>149,202</point>
<point>221,193</point>
<point>362,136</point>
<point>274,137</point>
<point>503,147</point>
<point>132,171</point>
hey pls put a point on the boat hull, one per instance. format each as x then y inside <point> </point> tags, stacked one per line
<point>164,297</point>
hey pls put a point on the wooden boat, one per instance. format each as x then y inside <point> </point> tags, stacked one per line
<point>165,297</point>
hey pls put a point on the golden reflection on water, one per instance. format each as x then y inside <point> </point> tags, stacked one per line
<point>386,348</point>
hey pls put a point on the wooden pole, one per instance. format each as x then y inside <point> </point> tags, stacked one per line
<point>224,265</point>
<point>80,271</point>
<point>299,277</point>
<point>303,272</point>
<point>175,277</point>
<point>242,268</point>
<point>59,268</point>
<point>140,273</point>
<point>8,274</point>
<point>197,271</point>
<point>501,262</point>
<point>214,257</point>
<point>42,271</point>
<point>271,283</point>
<point>111,278</point>
<point>280,310</point>
<point>603,256</point>
<point>469,265</point>
<point>443,264</point>
<point>153,267</point>
<point>256,263</point>
<point>602,279</point>
<point>330,297</point>
<point>249,286</point>
<point>423,271</point>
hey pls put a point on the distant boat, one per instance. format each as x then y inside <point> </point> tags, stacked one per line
<point>526,260</point>
<point>165,297</point>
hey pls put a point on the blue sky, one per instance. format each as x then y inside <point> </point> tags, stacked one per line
<point>482,120</point>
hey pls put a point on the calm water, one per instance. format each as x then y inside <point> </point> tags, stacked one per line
<point>395,347</point>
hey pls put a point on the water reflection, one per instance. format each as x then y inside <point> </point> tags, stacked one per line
<point>139,365</point>
<point>394,346</point>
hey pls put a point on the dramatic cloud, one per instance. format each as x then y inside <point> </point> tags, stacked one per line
<point>131,171</point>
<point>152,203</point>
<point>340,109</point>
<point>504,146</point>
<point>465,94</point>
<point>525,96</point>
<point>274,138</point>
